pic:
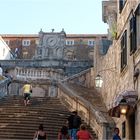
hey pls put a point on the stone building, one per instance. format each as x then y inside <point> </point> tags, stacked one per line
<point>23,46</point>
<point>5,51</point>
<point>81,46</point>
<point>73,46</point>
<point>119,66</point>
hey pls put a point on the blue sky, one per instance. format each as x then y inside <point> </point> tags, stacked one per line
<point>29,16</point>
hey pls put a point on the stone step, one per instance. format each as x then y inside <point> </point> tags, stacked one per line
<point>18,122</point>
<point>34,111</point>
<point>15,125</point>
<point>15,136</point>
<point>23,130</point>
<point>26,120</point>
<point>34,100</point>
<point>30,116</point>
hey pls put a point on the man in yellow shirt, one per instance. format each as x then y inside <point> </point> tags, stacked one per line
<point>27,90</point>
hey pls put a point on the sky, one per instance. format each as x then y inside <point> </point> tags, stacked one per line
<point>29,16</point>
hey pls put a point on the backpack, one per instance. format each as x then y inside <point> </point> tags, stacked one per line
<point>76,121</point>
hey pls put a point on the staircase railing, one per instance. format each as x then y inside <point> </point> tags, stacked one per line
<point>94,118</point>
<point>83,78</point>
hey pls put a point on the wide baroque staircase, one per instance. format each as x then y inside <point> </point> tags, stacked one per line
<point>18,122</point>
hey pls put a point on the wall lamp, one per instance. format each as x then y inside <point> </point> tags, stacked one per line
<point>98,81</point>
<point>123,107</point>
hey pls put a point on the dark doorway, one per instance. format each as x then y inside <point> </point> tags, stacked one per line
<point>131,126</point>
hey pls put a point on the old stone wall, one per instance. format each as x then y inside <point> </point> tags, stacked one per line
<point>123,18</point>
<point>39,90</point>
<point>117,80</point>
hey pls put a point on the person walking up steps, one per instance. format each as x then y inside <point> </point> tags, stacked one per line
<point>74,122</point>
<point>27,90</point>
<point>83,133</point>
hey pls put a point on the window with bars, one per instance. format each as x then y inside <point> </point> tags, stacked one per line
<point>133,43</point>
<point>124,50</point>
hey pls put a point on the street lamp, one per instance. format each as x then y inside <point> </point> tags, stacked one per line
<point>98,81</point>
<point>98,78</point>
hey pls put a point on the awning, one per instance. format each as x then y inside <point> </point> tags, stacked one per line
<point>130,97</point>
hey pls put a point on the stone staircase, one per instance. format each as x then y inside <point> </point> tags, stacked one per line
<point>18,122</point>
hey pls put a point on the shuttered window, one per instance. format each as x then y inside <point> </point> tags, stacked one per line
<point>137,17</point>
<point>121,5</point>
<point>124,50</point>
<point>133,43</point>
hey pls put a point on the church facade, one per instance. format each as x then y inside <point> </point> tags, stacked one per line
<point>53,45</point>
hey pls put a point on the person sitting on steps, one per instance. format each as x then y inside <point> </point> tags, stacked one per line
<point>40,134</point>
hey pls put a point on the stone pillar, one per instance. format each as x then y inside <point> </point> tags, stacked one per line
<point>107,131</point>
<point>52,91</point>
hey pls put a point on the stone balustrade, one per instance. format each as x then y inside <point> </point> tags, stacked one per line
<point>42,63</point>
<point>38,73</point>
<point>93,117</point>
